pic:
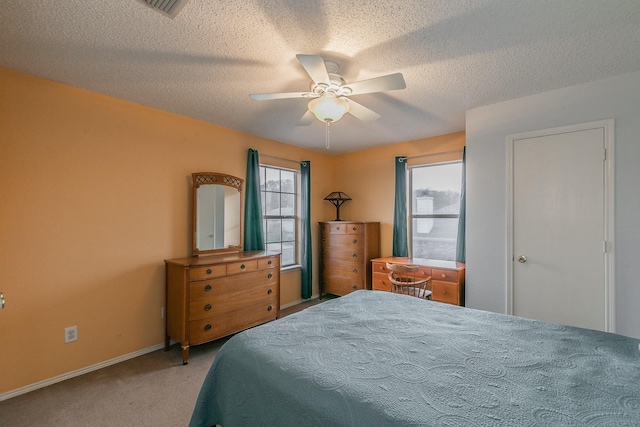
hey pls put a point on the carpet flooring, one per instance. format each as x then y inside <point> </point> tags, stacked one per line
<point>151,390</point>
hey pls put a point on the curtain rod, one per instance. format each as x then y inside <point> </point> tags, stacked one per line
<point>283,159</point>
<point>435,154</point>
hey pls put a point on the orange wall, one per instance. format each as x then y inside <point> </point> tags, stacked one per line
<point>95,195</point>
<point>368,177</point>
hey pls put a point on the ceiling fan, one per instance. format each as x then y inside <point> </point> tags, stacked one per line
<point>329,92</point>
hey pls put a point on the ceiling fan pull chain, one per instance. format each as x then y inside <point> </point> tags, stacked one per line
<point>327,133</point>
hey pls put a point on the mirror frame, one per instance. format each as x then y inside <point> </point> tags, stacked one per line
<point>206,178</point>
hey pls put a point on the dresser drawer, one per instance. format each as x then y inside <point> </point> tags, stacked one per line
<point>342,228</point>
<point>231,284</point>
<point>445,275</point>
<point>445,292</point>
<point>351,270</point>
<point>380,282</point>
<point>207,272</point>
<point>242,267</point>
<point>204,330</point>
<point>268,262</point>
<point>342,285</point>
<point>379,267</point>
<point>342,240</point>
<point>355,228</point>
<point>201,289</point>
<point>351,254</point>
<point>226,302</point>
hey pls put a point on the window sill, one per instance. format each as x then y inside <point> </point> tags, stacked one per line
<point>290,268</point>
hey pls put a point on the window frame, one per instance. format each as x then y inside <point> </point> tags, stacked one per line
<point>295,216</point>
<point>411,216</point>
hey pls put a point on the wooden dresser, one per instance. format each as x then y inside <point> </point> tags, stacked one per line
<point>346,249</point>
<point>447,277</point>
<point>210,297</point>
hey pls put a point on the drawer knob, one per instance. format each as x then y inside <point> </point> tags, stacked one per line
<point>355,228</point>
<point>207,307</point>
<point>354,241</point>
<point>207,327</point>
<point>355,270</point>
<point>269,262</point>
<point>270,291</point>
<point>207,288</point>
<point>354,256</point>
<point>269,308</point>
<point>354,287</point>
<point>242,267</point>
<point>269,276</point>
<point>209,271</point>
<point>444,276</point>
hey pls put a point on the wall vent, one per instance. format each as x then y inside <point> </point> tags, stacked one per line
<point>169,8</point>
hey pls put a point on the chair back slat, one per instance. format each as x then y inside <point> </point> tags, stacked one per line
<point>403,281</point>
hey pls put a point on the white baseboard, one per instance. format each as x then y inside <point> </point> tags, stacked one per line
<point>82,371</point>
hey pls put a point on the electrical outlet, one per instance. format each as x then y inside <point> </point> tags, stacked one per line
<point>70,334</point>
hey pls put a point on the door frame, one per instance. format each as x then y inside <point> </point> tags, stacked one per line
<point>609,209</point>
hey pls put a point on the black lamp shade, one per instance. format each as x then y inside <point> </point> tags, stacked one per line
<point>337,198</point>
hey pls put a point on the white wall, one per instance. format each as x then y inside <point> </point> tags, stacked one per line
<point>487,128</point>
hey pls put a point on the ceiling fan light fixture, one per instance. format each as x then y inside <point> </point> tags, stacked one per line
<point>328,107</point>
<point>330,93</point>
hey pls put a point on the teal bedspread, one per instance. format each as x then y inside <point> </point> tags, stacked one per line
<point>379,359</point>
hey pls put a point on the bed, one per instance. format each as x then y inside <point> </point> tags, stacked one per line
<point>374,358</point>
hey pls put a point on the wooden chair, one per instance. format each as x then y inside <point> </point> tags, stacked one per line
<point>403,281</point>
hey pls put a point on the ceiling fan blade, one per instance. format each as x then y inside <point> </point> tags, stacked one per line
<point>378,84</point>
<point>361,112</point>
<point>314,65</point>
<point>282,95</point>
<point>306,119</point>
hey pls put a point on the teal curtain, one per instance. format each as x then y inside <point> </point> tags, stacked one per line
<point>460,248</point>
<point>253,237</point>
<point>305,178</point>
<point>400,245</point>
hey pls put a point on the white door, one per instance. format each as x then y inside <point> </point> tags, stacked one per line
<point>559,226</point>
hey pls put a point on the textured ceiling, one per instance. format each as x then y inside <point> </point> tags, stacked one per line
<point>204,63</point>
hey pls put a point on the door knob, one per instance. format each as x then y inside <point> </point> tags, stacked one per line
<point>522,259</point>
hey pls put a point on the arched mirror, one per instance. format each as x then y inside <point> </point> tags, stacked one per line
<point>216,213</point>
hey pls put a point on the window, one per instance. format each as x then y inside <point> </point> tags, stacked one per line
<point>435,210</point>
<point>278,189</point>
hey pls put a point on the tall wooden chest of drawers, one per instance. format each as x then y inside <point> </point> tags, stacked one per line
<point>447,277</point>
<point>210,297</point>
<point>346,250</point>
